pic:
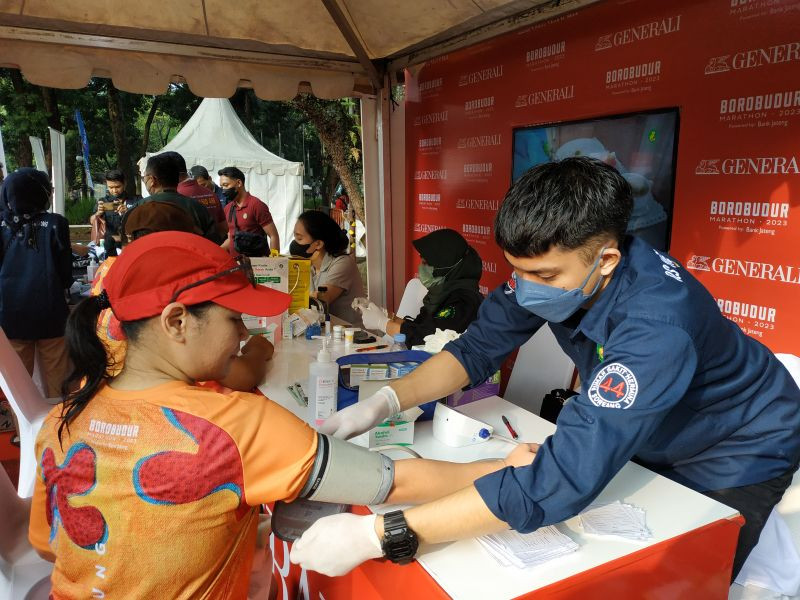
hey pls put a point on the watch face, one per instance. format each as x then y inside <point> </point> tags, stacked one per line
<point>399,544</point>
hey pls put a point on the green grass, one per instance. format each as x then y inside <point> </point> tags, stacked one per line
<point>78,213</point>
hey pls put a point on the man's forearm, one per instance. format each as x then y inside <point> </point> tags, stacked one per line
<point>455,517</point>
<point>435,378</point>
<point>417,480</point>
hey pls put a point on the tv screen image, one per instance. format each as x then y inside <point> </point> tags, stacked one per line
<point>641,146</point>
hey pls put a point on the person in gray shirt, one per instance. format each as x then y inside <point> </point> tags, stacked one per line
<point>319,238</point>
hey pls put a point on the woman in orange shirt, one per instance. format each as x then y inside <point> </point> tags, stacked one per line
<point>149,486</point>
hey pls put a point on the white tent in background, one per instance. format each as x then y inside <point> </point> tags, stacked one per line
<point>215,137</point>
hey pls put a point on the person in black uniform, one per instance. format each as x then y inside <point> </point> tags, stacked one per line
<point>451,270</point>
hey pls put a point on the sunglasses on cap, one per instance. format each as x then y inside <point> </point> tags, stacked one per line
<point>243,265</point>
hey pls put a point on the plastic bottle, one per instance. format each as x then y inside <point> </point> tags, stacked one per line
<point>91,269</point>
<point>323,375</point>
<point>399,342</point>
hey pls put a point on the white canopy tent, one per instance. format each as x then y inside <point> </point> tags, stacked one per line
<point>215,137</point>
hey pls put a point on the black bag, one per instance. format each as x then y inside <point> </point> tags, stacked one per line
<point>553,402</point>
<point>246,242</point>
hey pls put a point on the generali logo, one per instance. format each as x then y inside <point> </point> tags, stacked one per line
<point>489,267</point>
<point>426,227</point>
<point>479,76</point>
<point>558,94</point>
<point>752,59</point>
<point>764,165</point>
<point>431,118</point>
<point>477,204</point>
<point>480,141</point>
<point>430,174</point>
<point>746,268</point>
<point>637,33</point>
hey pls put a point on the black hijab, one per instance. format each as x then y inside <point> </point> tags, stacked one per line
<point>450,255</point>
<point>24,195</point>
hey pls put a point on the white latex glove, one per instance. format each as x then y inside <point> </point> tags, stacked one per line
<point>374,317</point>
<point>363,415</point>
<point>335,545</point>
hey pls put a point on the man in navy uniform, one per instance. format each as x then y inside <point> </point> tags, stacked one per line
<point>666,379</point>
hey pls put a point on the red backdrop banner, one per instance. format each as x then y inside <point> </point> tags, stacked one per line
<point>731,67</point>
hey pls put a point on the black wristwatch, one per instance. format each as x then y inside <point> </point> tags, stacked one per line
<point>399,543</point>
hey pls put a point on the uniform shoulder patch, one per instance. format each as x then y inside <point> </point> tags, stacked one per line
<point>614,386</point>
<point>446,313</point>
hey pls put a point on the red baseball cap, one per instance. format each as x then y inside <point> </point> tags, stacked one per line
<point>148,273</point>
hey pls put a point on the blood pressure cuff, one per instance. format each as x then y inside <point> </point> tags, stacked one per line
<point>350,474</point>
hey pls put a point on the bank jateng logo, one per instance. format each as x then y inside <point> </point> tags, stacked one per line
<point>430,86</point>
<point>754,58</point>
<point>760,106</point>
<point>558,94</point>
<point>429,201</point>
<point>646,71</point>
<point>646,31</point>
<point>761,165</point>
<point>758,218</point>
<point>481,75</point>
<point>746,268</point>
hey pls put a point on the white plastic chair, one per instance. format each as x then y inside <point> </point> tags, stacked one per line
<point>411,302</point>
<point>23,575</point>
<point>774,563</point>
<point>29,406</point>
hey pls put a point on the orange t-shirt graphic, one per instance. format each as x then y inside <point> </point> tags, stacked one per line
<point>153,493</point>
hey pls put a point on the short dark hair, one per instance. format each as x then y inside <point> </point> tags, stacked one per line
<point>180,162</point>
<point>198,171</point>
<point>164,168</point>
<point>566,204</point>
<point>232,173</point>
<point>115,175</point>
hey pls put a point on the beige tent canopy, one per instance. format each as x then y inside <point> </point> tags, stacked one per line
<point>276,47</point>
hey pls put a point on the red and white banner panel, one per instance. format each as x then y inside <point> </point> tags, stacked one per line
<point>731,68</point>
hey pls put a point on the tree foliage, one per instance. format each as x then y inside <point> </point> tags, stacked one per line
<point>122,127</point>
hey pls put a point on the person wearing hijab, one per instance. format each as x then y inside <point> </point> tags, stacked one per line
<point>35,271</point>
<point>451,270</point>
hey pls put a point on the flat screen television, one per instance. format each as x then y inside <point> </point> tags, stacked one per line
<point>641,146</point>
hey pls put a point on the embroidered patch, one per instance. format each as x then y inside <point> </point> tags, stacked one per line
<point>511,285</point>
<point>615,386</point>
<point>446,313</point>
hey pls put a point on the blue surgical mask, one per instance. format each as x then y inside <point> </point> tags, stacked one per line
<point>551,303</point>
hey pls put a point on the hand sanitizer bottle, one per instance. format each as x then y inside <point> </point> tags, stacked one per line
<point>324,383</point>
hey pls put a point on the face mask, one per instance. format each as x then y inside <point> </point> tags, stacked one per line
<point>426,276</point>
<point>297,249</point>
<point>230,193</point>
<point>551,303</point>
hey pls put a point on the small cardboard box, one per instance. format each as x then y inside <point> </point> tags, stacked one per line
<point>490,387</point>
<point>397,429</point>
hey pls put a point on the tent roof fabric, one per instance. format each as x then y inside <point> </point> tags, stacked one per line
<point>215,46</point>
<point>215,137</point>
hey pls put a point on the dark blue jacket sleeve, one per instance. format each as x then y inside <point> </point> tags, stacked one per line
<point>502,326</point>
<point>62,249</point>
<point>647,369</point>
